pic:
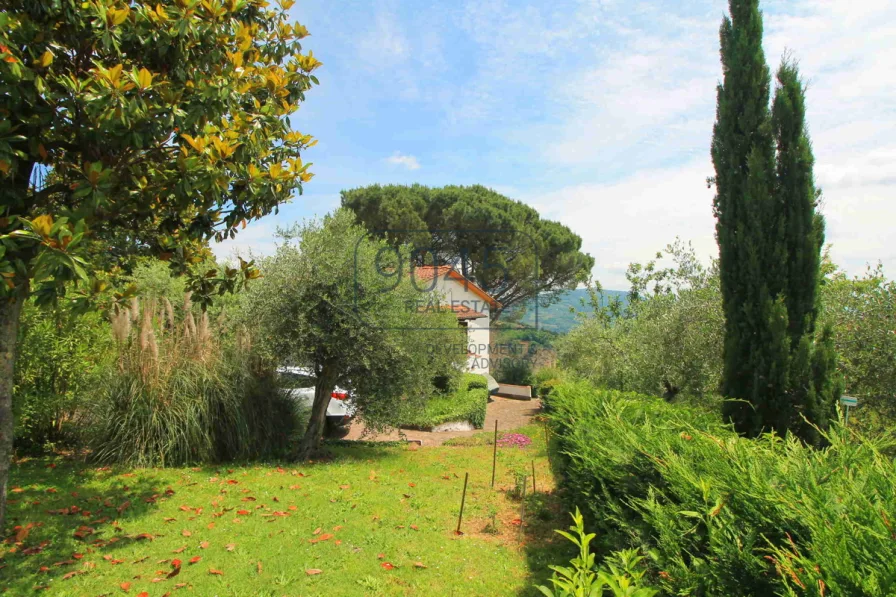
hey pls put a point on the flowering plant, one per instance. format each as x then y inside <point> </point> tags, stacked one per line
<point>514,439</point>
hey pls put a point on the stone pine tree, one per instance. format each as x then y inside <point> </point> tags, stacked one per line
<point>776,375</point>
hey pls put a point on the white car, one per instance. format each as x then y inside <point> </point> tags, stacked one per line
<point>299,383</point>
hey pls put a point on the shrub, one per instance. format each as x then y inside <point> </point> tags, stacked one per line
<point>723,515</point>
<point>545,379</point>
<point>463,405</point>
<point>60,354</point>
<point>474,380</point>
<point>177,396</point>
<point>514,370</point>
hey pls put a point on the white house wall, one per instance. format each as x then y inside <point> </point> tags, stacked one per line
<point>478,334</point>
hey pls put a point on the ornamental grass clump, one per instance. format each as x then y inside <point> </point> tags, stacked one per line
<point>719,514</point>
<point>177,393</point>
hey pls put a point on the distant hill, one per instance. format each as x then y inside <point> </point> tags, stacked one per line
<point>559,317</point>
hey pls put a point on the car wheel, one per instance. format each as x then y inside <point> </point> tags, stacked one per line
<point>337,429</point>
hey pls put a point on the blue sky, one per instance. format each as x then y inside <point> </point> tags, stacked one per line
<point>598,113</point>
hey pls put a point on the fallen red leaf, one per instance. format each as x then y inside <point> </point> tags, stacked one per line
<point>387,566</point>
<point>203,545</point>
<point>186,533</point>
<point>317,531</point>
<point>125,586</point>
<point>195,559</point>
<point>243,512</point>
<point>313,571</point>
<point>324,537</point>
<point>419,565</point>
<point>175,563</point>
<point>143,594</point>
<point>215,572</point>
<point>179,549</point>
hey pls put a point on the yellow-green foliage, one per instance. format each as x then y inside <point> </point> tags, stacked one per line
<point>467,403</point>
<point>723,515</point>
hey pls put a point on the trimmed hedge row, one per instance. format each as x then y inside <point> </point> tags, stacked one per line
<point>467,403</point>
<point>722,515</point>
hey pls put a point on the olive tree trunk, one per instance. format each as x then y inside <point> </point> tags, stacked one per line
<point>9,327</point>
<point>323,391</point>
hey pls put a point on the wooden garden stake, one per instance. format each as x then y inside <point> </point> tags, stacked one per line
<point>463,498</point>
<point>533,478</point>
<point>522,509</point>
<point>495,454</point>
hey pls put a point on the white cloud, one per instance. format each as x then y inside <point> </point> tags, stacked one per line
<point>384,45</point>
<point>650,102</point>
<point>256,240</point>
<point>408,161</point>
<point>632,219</point>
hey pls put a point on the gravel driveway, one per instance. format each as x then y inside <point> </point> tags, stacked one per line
<point>510,414</point>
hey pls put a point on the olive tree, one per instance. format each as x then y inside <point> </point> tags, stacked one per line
<point>666,340</point>
<point>342,303</point>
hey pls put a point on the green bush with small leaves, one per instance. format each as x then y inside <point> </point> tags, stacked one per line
<point>717,514</point>
<point>467,403</point>
<point>474,380</point>
<point>544,380</point>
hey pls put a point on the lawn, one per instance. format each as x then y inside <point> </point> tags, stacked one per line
<point>371,520</point>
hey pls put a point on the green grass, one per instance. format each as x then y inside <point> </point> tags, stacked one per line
<point>381,504</point>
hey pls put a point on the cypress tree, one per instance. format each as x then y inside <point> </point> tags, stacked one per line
<point>770,239</point>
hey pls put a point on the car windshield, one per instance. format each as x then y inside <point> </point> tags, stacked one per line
<point>295,380</point>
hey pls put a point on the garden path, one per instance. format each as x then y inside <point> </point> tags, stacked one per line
<point>510,414</point>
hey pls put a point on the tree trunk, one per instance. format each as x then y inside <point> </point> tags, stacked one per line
<point>323,391</point>
<point>10,309</point>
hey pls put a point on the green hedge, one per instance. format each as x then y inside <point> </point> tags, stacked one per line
<point>473,380</point>
<point>468,403</point>
<point>722,515</point>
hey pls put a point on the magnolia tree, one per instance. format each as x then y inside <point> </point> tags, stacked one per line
<point>346,306</point>
<point>160,125</point>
